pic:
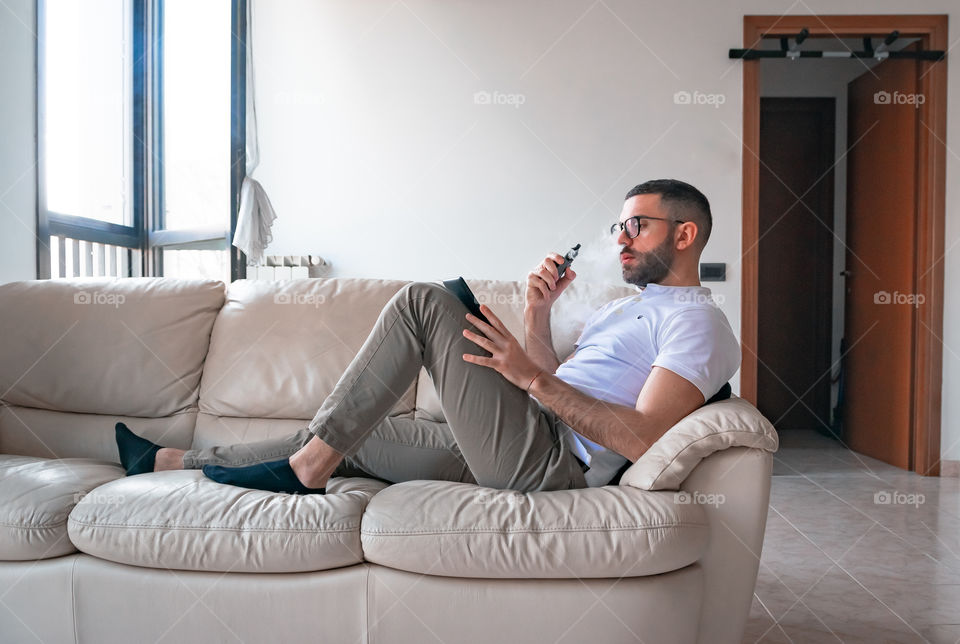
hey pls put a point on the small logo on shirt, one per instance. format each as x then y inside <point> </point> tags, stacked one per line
<point>640,317</point>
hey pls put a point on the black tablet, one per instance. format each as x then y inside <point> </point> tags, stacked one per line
<point>459,288</point>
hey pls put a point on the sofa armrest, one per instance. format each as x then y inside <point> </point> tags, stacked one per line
<point>732,487</point>
<point>711,428</point>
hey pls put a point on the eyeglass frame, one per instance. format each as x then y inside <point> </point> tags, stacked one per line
<point>622,225</point>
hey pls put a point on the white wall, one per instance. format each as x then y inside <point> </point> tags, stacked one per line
<point>18,179</point>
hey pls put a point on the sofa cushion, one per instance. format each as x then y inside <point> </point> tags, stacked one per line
<point>278,348</point>
<point>36,495</point>
<point>464,530</point>
<point>727,423</point>
<point>124,347</point>
<point>182,520</point>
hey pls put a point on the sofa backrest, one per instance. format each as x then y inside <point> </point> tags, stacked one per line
<point>77,355</point>
<point>193,364</point>
<point>278,349</point>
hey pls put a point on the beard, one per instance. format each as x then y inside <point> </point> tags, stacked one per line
<point>651,266</point>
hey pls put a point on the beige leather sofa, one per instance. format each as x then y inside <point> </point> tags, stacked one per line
<point>88,555</point>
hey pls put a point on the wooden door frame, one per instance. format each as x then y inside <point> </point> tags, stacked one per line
<point>927,358</point>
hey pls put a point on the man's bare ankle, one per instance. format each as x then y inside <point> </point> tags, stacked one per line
<point>168,458</point>
<point>314,463</point>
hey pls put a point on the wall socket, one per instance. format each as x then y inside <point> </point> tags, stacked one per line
<point>713,272</point>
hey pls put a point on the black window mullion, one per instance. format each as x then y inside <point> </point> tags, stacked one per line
<point>238,129</point>
<point>153,255</point>
<point>43,227</point>
<point>141,63</point>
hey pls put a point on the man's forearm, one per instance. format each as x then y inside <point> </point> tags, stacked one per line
<point>539,344</point>
<point>618,427</point>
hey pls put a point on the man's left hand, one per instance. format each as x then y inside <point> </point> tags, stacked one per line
<point>507,356</point>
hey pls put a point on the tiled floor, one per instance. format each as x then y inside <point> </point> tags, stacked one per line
<point>856,550</point>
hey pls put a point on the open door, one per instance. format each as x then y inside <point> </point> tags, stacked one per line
<point>901,364</point>
<point>881,285</point>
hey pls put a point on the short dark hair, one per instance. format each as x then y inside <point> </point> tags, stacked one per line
<point>684,202</point>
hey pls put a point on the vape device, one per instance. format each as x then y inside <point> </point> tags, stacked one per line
<point>568,259</point>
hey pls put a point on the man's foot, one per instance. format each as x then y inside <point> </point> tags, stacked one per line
<point>137,455</point>
<point>273,476</point>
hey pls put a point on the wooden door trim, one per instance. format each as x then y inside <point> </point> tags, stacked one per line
<point>931,208</point>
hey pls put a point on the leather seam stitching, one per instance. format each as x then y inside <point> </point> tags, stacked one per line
<point>528,531</point>
<point>215,527</point>
<point>73,598</point>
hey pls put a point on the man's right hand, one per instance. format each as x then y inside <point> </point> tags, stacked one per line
<point>544,285</point>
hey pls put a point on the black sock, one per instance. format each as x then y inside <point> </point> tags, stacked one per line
<point>137,455</point>
<point>274,476</point>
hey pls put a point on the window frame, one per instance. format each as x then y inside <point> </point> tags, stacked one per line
<point>146,233</point>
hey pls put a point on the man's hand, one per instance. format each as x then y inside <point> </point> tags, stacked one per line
<point>507,356</point>
<point>544,284</point>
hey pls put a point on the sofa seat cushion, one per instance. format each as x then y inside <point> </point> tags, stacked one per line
<point>464,530</point>
<point>182,520</point>
<point>733,422</point>
<point>36,495</point>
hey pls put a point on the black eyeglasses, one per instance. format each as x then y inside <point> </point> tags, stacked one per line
<point>632,225</point>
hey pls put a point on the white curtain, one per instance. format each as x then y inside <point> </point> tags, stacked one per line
<point>256,215</point>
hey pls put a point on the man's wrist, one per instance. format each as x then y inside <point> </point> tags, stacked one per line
<point>538,314</point>
<point>539,373</point>
<point>539,383</point>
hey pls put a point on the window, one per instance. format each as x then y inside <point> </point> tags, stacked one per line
<point>196,140</point>
<point>140,150</point>
<point>87,87</point>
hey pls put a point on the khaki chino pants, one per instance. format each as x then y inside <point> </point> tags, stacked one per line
<point>495,434</point>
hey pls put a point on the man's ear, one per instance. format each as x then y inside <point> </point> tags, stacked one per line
<point>687,236</point>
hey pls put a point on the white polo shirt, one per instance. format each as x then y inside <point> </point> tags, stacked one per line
<point>679,328</point>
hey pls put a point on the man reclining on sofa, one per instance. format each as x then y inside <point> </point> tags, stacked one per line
<point>522,419</point>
